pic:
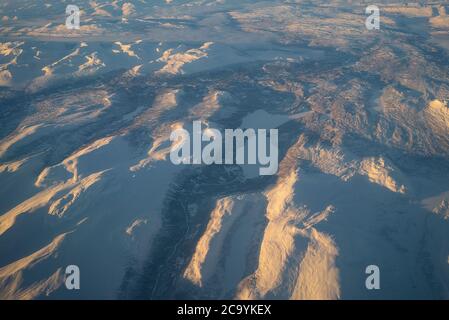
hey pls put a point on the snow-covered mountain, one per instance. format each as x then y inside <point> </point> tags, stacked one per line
<point>86,178</point>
